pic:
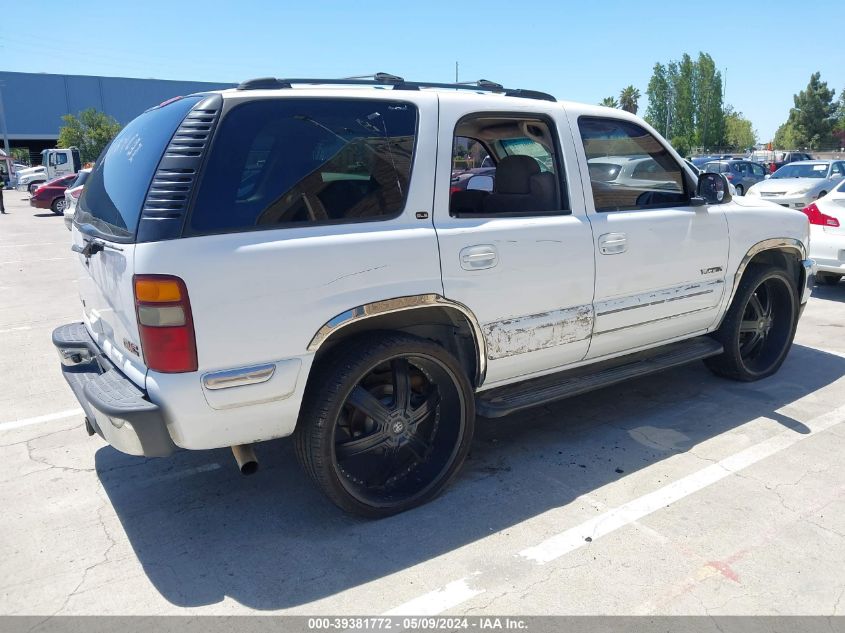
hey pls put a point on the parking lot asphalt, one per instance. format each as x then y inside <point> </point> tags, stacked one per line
<point>679,493</point>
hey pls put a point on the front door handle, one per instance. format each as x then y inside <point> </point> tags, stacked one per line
<point>479,257</point>
<point>613,243</point>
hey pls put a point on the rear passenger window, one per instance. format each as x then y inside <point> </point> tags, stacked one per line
<point>303,161</point>
<point>646,175</point>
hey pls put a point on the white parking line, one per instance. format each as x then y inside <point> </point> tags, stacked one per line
<point>16,329</point>
<point>439,600</point>
<point>35,261</point>
<point>16,424</point>
<point>456,592</point>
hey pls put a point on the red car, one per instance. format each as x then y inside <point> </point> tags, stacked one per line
<point>51,195</point>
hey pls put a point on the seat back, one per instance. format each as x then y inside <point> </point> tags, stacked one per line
<point>520,186</point>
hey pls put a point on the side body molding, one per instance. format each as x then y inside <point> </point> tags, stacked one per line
<point>400,304</point>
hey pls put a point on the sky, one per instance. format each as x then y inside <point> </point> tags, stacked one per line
<point>578,51</point>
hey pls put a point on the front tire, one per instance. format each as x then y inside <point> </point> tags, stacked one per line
<point>759,326</point>
<point>385,424</point>
<point>827,279</point>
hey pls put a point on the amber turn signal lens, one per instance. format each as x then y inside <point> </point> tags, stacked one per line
<point>157,290</point>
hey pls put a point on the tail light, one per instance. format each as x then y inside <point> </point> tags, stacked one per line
<point>165,323</point>
<point>76,193</point>
<point>729,176</point>
<point>454,189</point>
<point>819,218</point>
<point>38,191</point>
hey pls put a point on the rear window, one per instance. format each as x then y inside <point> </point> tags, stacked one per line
<point>114,194</point>
<point>281,162</point>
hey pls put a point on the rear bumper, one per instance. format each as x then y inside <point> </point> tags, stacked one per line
<point>40,204</point>
<point>115,407</point>
<point>828,250</point>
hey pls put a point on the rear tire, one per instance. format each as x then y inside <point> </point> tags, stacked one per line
<point>827,279</point>
<point>759,326</point>
<point>385,424</point>
<point>58,206</point>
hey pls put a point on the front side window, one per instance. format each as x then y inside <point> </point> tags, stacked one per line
<point>758,170</point>
<point>647,174</point>
<point>278,162</point>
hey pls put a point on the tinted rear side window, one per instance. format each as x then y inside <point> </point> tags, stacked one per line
<point>115,191</point>
<point>279,162</point>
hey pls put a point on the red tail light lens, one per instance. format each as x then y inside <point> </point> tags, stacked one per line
<point>729,176</point>
<point>76,193</point>
<point>818,218</point>
<point>165,323</point>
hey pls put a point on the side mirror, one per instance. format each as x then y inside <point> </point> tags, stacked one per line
<point>481,183</point>
<point>713,189</point>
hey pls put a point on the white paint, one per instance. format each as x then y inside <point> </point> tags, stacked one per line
<point>610,521</point>
<point>34,261</point>
<point>16,329</point>
<point>439,600</point>
<point>459,591</point>
<point>16,424</point>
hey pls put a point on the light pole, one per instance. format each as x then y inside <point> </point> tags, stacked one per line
<point>3,123</point>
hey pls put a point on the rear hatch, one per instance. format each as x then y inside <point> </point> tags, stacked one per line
<point>107,216</point>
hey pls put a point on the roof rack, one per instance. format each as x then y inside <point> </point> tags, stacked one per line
<point>396,83</point>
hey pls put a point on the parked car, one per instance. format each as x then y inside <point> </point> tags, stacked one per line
<point>742,174</point>
<point>297,271</point>
<point>827,235</point>
<point>51,195</point>
<point>774,160</point>
<point>72,194</point>
<point>798,184</point>
<point>461,180</point>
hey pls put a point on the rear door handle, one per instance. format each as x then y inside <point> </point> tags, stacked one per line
<point>479,257</point>
<point>613,243</point>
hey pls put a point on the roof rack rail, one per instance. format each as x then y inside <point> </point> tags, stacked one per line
<point>396,83</point>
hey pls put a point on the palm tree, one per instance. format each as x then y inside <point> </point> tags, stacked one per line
<point>628,99</point>
<point>610,102</point>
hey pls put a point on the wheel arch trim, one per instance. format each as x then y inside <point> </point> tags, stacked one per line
<point>772,244</point>
<point>402,304</point>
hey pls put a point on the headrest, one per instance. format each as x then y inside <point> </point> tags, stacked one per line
<point>513,174</point>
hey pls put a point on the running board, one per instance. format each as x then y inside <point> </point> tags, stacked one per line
<point>502,401</point>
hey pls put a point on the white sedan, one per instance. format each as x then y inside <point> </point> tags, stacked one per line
<point>798,184</point>
<point>827,235</point>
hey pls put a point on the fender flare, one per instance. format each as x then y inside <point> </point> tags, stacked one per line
<point>772,244</point>
<point>401,304</point>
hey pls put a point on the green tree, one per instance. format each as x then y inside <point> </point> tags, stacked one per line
<point>739,133</point>
<point>685,101</point>
<point>659,100</point>
<point>90,131</point>
<point>21,155</point>
<point>811,120</point>
<point>709,113</point>
<point>628,99</point>
<point>610,102</point>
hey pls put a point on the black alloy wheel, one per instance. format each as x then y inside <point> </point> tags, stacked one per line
<point>387,424</point>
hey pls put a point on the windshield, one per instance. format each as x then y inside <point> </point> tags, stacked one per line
<point>802,170</point>
<point>114,194</point>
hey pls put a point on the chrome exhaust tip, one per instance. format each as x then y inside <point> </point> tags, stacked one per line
<point>245,456</point>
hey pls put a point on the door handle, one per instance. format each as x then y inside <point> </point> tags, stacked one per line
<point>479,257</point>
<point>613,243</point>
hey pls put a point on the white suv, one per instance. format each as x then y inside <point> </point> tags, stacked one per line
<point>287,258</point>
